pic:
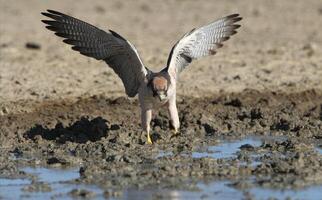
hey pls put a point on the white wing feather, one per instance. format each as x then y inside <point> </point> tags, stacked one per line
<point>201,42</point>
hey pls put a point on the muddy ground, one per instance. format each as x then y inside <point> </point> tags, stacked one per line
<point>103,138</point>
<point>60,109</point>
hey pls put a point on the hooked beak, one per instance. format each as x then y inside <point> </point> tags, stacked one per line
<point>162,96</point>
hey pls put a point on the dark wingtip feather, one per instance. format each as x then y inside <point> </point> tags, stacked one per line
<point>52,28</point>
<point>219,45</point>
<point>237,19</point>
<point>52,16</point>
<point>233,20</point>
<point>64,35</point>
<point>46,22</point>
<point>70,41</point>
<point>223,39</point>
<point>115,34</point>
<point>53,25</point>
<point>232,16</point>
<point>236,26</point>
<point>76,48</point>
<point>233,32</point>
<point>81,49</point>
<point>55,12</point>
<point>49,22</point>
<point>212,52</point>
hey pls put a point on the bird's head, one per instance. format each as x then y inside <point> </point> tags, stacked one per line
<point>159,86</point>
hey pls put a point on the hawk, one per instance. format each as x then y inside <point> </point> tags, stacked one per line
<point>154,89</point>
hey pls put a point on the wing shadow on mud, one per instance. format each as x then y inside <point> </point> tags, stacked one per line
<point>80,131</point>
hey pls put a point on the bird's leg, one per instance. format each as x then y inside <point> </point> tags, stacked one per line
<point>146,117</point>
<point>174,118</point>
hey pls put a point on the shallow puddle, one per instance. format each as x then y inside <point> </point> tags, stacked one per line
<point>227,149</point>
<point>60,189</point>
<point>222,190</point>
<point>52,175</point>
<point>312,192</point>
<point>12,182</point>
<point>215,190</point>
<point>319,149</point>
<point>164,154</point>
<point>53,179</point>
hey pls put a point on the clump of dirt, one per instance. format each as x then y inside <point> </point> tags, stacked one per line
<point>79,132</point>
<point>103,137</point>
<point>81,193</point>
<point>283,161</point>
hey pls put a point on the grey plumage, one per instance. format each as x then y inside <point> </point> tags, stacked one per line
<point>109,46</point>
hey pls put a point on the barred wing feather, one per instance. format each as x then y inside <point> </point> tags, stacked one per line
<point>109,46</point>
<point>201,42</point>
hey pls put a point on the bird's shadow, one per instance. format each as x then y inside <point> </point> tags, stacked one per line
<point>80,131</point>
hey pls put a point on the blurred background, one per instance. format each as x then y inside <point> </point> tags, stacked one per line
<point>278,46</point>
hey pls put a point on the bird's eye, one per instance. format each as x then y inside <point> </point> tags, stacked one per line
<point>154,93</point>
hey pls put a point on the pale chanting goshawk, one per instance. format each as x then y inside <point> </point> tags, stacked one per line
<point>155,89</point>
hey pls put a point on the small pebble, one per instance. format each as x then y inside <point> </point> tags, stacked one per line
<point>32,45</point>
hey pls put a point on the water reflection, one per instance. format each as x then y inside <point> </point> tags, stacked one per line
<point>214,190</point>
<point>226,149</point>
<point>13,189</point>
<point>56,178</point>
<point>312,192</point>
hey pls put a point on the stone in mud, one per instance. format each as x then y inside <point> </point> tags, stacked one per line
<point>56,161</point>
<point>115,127</point>
<point>114,194</point>
<point>247,147</point>
<point>282,125</point>
<point>17,152</point>
<point>120,101</point>
<point>256,113</point>
<point>234,102</point>
<point>76,193</point>
<point>210,131</point>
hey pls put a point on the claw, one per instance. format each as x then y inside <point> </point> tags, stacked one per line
<point>149,141</point>
<point>175,133</point>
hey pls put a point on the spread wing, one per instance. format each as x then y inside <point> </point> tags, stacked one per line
<point>201,42</point>
<point>109,46</point>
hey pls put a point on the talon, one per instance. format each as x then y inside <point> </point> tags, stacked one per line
<point>149,141</point>
<point>175,133</point>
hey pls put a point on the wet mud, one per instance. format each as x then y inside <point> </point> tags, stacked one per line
<point>273,139</point>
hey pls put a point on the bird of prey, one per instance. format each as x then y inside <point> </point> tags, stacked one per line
<point>154,89</point>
